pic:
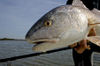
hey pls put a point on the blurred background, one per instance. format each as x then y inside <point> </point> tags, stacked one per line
<point>17,16</point>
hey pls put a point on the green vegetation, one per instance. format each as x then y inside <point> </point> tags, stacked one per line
<point>6,39</point>
<point>11,39</point>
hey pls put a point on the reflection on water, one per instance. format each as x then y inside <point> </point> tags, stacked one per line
<point>16,48</point>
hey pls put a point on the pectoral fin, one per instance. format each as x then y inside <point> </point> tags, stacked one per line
<point>94,39</point>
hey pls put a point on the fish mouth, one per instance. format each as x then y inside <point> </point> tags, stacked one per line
<point>43,45</point>
<point>41,41</point>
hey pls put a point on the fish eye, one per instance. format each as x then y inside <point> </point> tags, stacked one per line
<point>48,23</point>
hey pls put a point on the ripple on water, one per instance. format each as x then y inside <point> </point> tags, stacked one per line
<point>16,48</point>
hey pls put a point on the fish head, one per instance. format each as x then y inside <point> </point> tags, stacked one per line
<point>48,31</point>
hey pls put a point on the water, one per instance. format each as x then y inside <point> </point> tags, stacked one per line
<point>16,48</point>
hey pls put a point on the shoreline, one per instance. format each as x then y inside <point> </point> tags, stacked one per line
<point>11,39</point>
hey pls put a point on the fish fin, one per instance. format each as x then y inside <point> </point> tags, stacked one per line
<point>94,39</point>
<point>95,20</point>
<point>96,11</point>
<point>97,15</point>
<point>78,3</point>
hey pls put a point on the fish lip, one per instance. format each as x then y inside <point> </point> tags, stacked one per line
<point>41,41</point>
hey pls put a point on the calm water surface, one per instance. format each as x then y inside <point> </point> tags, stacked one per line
<point>16,48</point>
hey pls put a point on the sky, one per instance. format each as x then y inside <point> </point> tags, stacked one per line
<point>17,16</point>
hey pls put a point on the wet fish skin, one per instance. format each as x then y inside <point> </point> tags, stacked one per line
<point>69,24</point>
<point>67,21</point>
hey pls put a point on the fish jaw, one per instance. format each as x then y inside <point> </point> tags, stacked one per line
<point>41,40</point>
<point>47,46</point>
<point>43,45</point>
